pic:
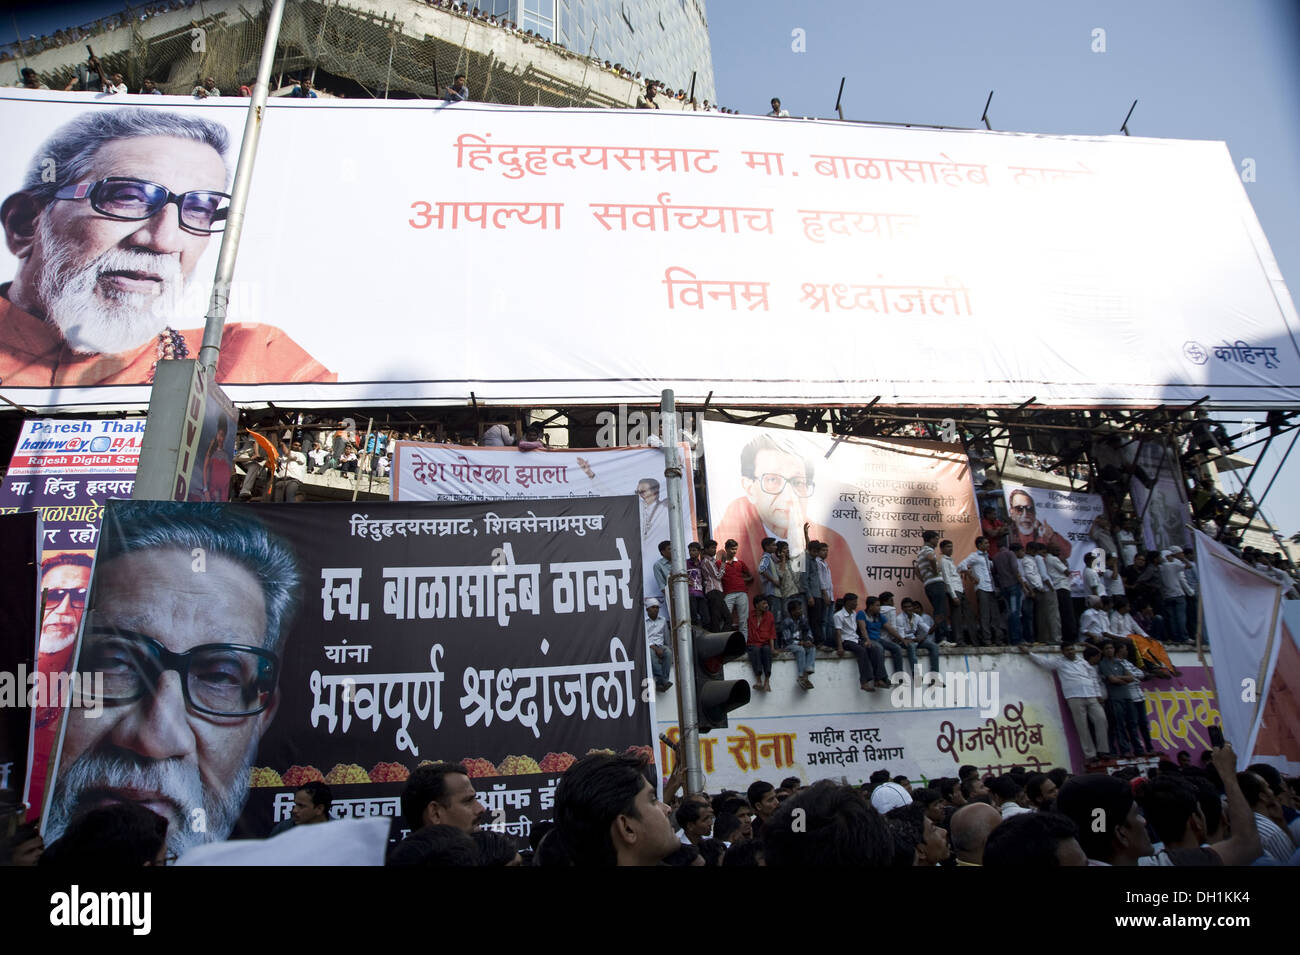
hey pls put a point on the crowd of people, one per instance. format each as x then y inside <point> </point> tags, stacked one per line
<point>607,812</point>
<point>60,38</point>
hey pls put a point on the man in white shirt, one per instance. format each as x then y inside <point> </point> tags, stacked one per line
<point>1127,540</point>
<point>117,85</point>
<point>1275,840</point>
<point>1094,624</point>
<point>915,632</point>
<point>1174,590</point>
<point>960,630</point>
<point>1092,584</point>
<point>777,111</point>
<point>1047,615</point>
<point>1059,578</point>
<point>317,457</point>
<point>1033,584</point>
<point>978,564</point>
<point>291,473</point>
<point>930,573</point>
<point>661,655</point>
<point>1084,695</point>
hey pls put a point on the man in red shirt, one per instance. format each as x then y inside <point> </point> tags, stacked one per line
<point>994,529</point>
<point>736,579</point>
<point>762,633</point>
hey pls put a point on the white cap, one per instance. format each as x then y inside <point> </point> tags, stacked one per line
<point>1175,549</point>
<point>889,796</point>
<point>652,602</point>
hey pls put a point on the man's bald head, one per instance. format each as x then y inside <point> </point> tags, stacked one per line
<point>970,828</point>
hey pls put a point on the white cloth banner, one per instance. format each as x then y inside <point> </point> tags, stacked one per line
<point>444,472</point>
<point>530,255</point>
<point>1242,617</point>
<point>1063,518</point>
<point>1163,507</point>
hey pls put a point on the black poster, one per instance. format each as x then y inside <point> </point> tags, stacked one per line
<point>350,643</point>
<point>19,598</point>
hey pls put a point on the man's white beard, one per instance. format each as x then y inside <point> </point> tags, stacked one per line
<point>177,780</point>
<point>90,324</point>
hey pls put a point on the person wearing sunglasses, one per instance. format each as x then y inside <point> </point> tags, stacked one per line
<point>189,656</point>
<point>115,212</point>
<point>777,483</point>
<point>1028,527</point>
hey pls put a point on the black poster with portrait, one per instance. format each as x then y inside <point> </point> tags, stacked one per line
<point>349,643</point>
<point>19,600</point>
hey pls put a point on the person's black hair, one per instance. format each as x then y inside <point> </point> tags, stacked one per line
<point>1168,803</point>
<point>663,544</point>
<point>318,792</point>
<point>689,812</point>
<point>1270,775</point>
<point>904,844</point>
<point>1028,840</point>
<point>594,792</point>
<point>748,852</point>
<point>835,826</point>
<point>550,851</point>
<point>1017,546</point>
<point>878,778</point>
<point>1079,800</point>
<point>967,771</point>
<point>122,835</point>
<point>495,848</point>
<point>725,826</point>
<point>885,595</point>
<point>757,790</point>
<point>435,846</point>
<point>930,536</point>
<point>685,855</point>
<point>713,850</point>
<point>968,786</point>
<point>791,783</point>
<point>1005,788</point>
<point>913,817</point>
<point>733,804</point>
<point>1207,797</point>
<point>1252,787</point>
<point>927,797</point>
<point>1059,775</point>
<point>538,831</point>
<point>900,779</point>
<point>792,603</point>
<point>426,784</point>
<point>945,785</point>
<point>1034,786</point>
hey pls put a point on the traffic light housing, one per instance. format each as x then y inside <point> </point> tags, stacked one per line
<point>714,696</point>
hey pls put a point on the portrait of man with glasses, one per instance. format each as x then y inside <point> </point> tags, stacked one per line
<point>777,483</point>
<point>189,609</point>
<point>1029,526</point>
<point>115,211</point>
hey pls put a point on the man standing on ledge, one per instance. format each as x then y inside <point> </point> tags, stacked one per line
<point>103,257</point>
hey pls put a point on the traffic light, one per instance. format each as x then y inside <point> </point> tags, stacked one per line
<point>714,696</point>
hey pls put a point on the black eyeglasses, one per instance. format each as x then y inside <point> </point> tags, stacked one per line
<point>218,679</point>
<point>120,197</point>
<point>56,595</point>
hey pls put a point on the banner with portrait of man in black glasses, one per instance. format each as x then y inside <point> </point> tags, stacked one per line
<point>104,286</point>
<point>247,650</point>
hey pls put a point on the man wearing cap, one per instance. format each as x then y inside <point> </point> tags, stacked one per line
<point>1083,694</point>
<point>661,655</point>
<point>889,796</point>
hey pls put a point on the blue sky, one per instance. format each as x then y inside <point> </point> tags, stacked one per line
<point>1200,69</point>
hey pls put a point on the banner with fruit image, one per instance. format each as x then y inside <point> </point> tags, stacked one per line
<point>505,635</point>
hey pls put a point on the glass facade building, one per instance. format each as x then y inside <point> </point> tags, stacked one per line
<point>667,40</point>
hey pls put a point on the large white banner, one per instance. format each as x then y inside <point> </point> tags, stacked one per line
<point>1242,612</point>
<point>445,472</point>
<point>1163,506</point>
<point>1063,518</point>
<point>535,255</point>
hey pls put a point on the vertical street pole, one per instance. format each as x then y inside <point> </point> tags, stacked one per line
<point>680,615</point>
<point>215,322</point>
<point>356,478</point>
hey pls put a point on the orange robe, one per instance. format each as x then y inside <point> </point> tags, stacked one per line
<point>34,355</point>
<point>742,524</point>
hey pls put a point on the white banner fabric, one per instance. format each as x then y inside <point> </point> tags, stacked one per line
<point>527,255</point>
<point>1063,518</point>
<point>1242,617</point>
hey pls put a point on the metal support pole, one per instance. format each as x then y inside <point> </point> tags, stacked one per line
<point>680,615</point>
<point>215,322</point>
<point>1236,501</point>
<point>356,478</point>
